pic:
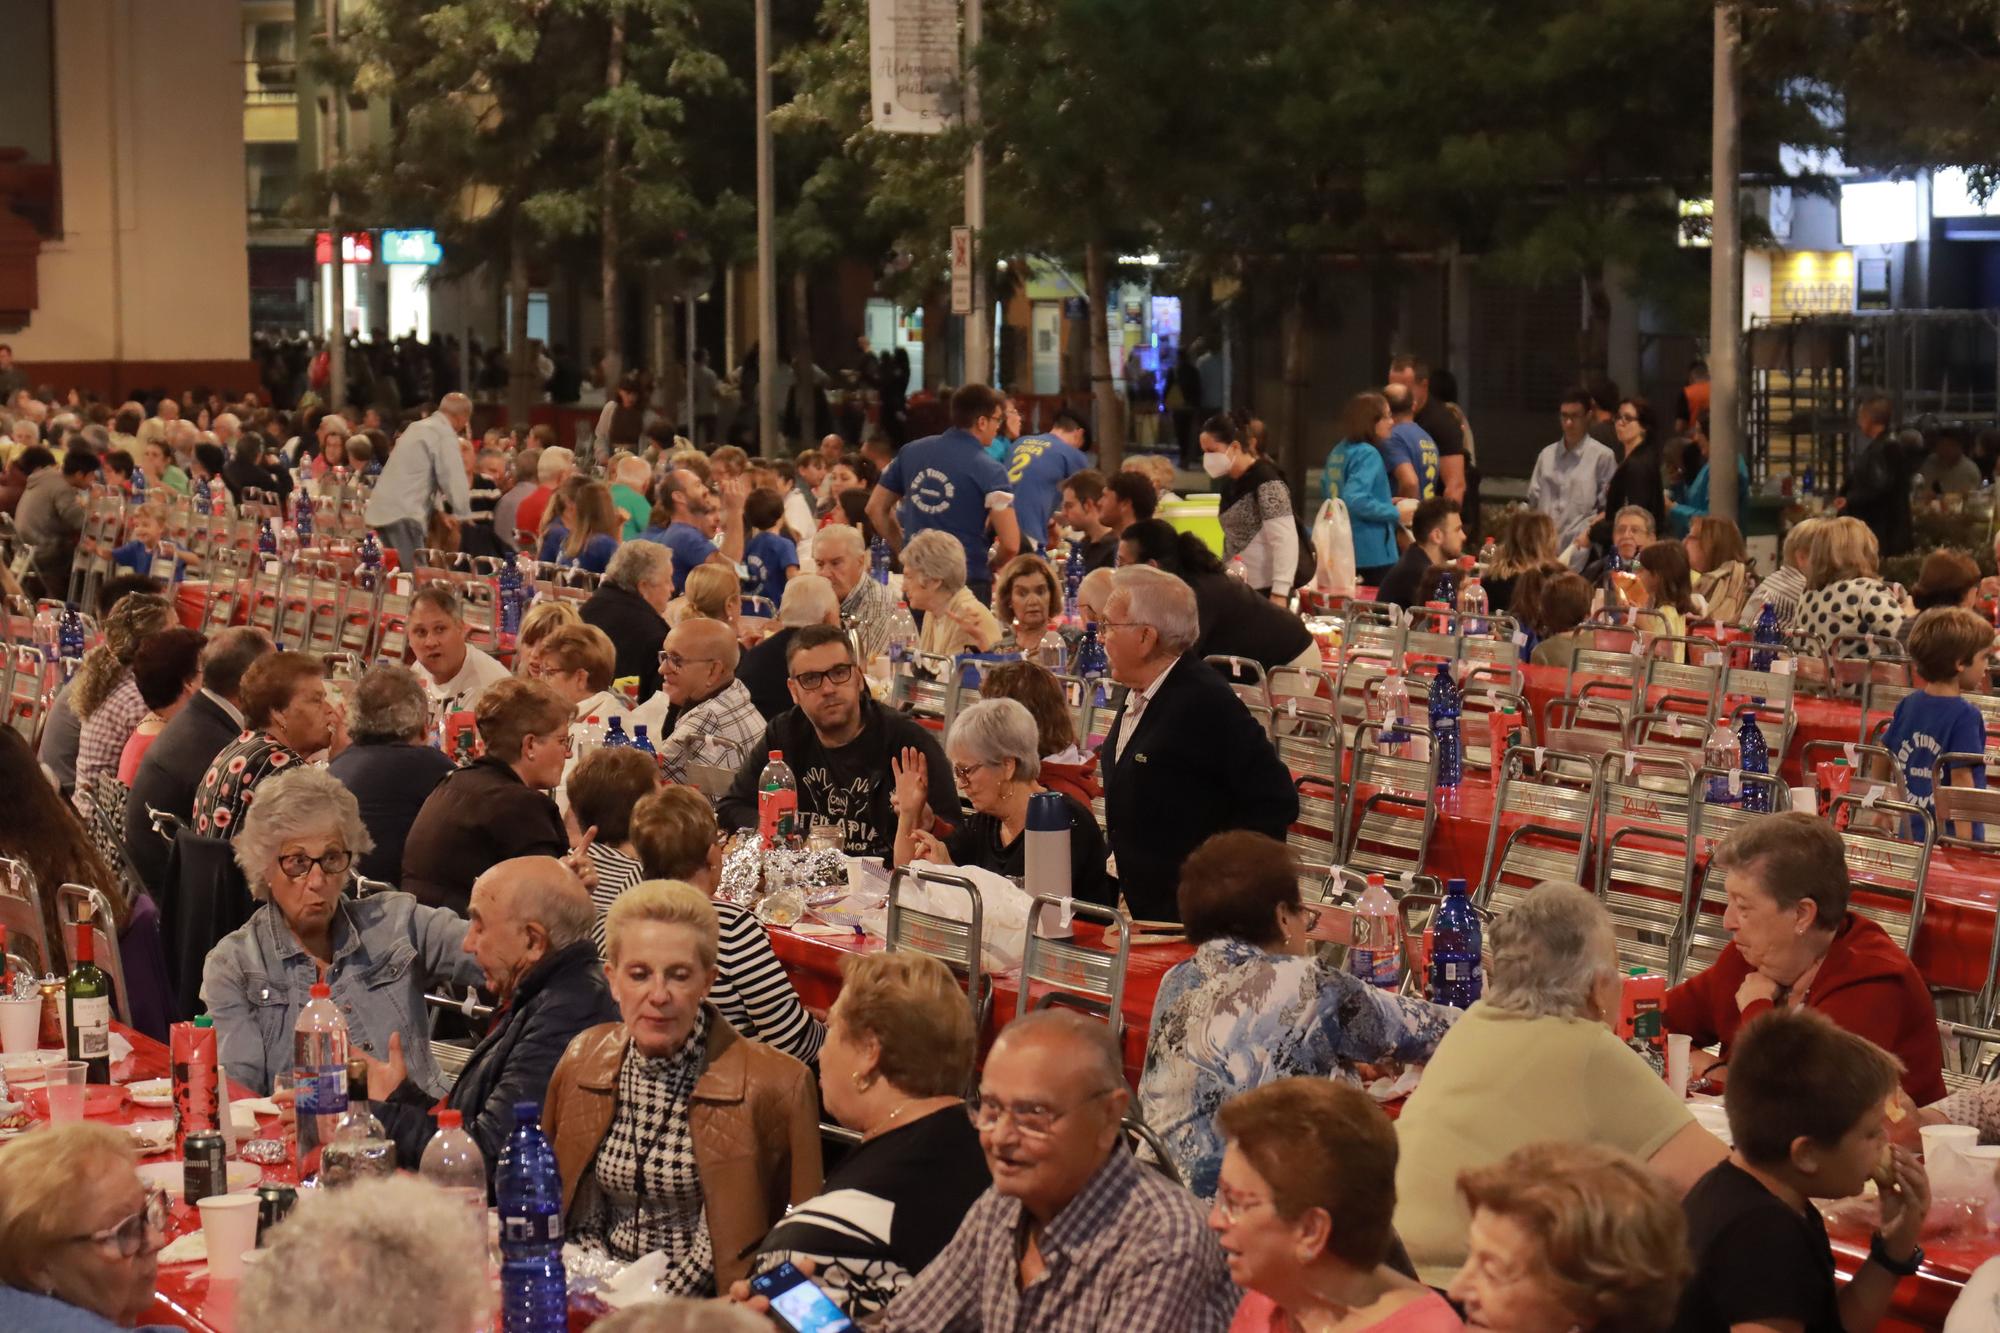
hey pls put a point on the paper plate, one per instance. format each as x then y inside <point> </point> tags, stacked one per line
<point>152,1092</point>
<point>98,1099</point>
<point>172,1176</point>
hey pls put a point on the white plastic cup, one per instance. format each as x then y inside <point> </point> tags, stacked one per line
<point>1680,1052</point>
<point>1946,1141</point>
<point>229,1224</point>
<point>20,1025</point>
<point>1806,799</point>
<point>66,1090</point>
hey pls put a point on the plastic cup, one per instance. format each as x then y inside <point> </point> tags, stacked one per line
<point>1946,1140</point>
<point>229,1224</point>
<point>66,1090</point>
<point>20,1025</point>
<point>1806,799</point>
<point>1680,1050</point>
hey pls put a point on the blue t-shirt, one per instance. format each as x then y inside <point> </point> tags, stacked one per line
<point>1412,444</point>
<point>767,556</point>
<point>138,558</point>
<point>595,555</point>
<point>691,549</point>
<point>946,479</point>
<point>552,541</point>
<point>1925,727</point>
<point>1037,468</point>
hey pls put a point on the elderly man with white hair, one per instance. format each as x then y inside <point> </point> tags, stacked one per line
<point>809,600</point>
<point>842,556</point>
<point>424,469</point>
<point>630,606</point>
<point>629,476</point>
<point>553,466</point>
<point>1185,758</point>
<point>702,713</point>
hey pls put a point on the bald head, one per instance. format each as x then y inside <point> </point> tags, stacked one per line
<point>832,443</point>
<point>1080,1046</point>
<point>522,911</point>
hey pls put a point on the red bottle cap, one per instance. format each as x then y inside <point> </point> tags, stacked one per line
<point>85,948</point>
<point>450,1118</point>
<point>776,755</point>
<point>320,990</point>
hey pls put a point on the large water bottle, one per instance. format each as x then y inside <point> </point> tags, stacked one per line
<point>534,1292</point>
<point>1376,956</point>
<point>1722,753</point>
<point>1092,664</point>
<point>878,560</point>
<point>302,515</point>
<point>902,644</point>
<point>369,551</point>
<point>139,485</point>
<point>1765,632</point>
<point>319,1061</point>
<point>1445,735</point>
<point>777,802</point>
<point>614,734</point>
<point>1072,579</point>
<point>1472,606</point>
<point>1455,944</point>
<point>1442,593</point>
<point>1389,710</point>
<point>453,1163</point>
<point>1756,758</point>
<point>510,597</point>
<point>267,538</point>
<point>69,639</point>
<point>644,743</point>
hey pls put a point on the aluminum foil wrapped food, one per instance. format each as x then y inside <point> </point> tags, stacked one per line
<point>742,870</point>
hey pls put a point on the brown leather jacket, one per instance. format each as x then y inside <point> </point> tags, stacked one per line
<point>754,1117</point>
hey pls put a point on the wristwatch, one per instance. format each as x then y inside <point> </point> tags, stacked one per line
<point>1879,1255</point>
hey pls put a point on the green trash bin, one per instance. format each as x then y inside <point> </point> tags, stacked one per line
<point>1199,514</point>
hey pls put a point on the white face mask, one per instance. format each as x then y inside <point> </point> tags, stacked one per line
<point>1216,464</point>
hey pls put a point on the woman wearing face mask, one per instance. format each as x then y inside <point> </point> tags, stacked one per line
<point>1258,525</point>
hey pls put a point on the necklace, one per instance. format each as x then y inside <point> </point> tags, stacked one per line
<point>889,1121</point>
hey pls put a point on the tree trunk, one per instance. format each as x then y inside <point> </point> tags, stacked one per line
<point>521,377</point>
<point>1103,392</point>
<point>614,76</point>
<point>1594,344</point>
<point>1291,445</point>
<point>804,391</point>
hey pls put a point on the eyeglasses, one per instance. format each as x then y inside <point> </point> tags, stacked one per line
<point>298,865</point>
<point>1033,1121</point>
<point>564,739</point>
<point>1629,417</point>
<point>1106,626</point>
<point>811,681</point>
<point>964,772</point>
<point>1231,1207</point>
<point>129,1236</point>
<point>1310,915</point>
<point>680,663</point>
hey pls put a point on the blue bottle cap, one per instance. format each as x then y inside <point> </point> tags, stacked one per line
<point>1047,813</point>
<point>1454,885</point>
<point>527,1113</point>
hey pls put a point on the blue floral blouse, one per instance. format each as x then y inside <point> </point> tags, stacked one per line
<point>1234,1017</point>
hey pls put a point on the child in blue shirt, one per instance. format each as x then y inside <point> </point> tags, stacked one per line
<point>771,556</point>
<point>142,541</point>
<point>1949,647</point>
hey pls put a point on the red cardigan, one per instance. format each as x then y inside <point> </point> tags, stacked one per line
<point>1078,780</point>
<point>1866,984</point>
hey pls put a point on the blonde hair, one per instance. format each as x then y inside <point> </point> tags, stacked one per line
<point>1843,548</point>
<point>666,902</point>
<point>134,619</point>
<point>1612,1239</point>
<point>1028,566</point>
<point>672,830</point>
<point>711,593</point>
<point>39,1174</point>
<point>581,647</point>
<point>543,619</point>
<point>1799,540</point>
<point>595,516</point>
<point>913,1006</point>
<point>1527,540</point>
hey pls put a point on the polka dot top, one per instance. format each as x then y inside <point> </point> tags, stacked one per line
<point>1852,606</point>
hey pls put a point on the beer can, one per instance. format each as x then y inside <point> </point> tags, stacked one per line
<point>274,1202</point>
<point>205,1172</point>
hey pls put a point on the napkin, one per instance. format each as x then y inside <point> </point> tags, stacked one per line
<point>189,1249</point>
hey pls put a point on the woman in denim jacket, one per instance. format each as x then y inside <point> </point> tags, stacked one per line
<point>378,954</point>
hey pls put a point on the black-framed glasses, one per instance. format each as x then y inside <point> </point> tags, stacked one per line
<point>810,681</point>
<point>1628,417</point>
<point>297,865</point>
<point>129,1236</point>
<point>1033,1121</point>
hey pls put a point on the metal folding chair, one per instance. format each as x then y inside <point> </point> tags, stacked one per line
<point>1709,824</point>
<point>1609,677</point>
<point>1878,705</point>
<point>1551,845</point>
<point>21,912</point>
<point>1076,976</point>
<point>1390,828</point>
<point>957,944</point>
<point>1886,866</point>
<point>84,904</point>
<point>1641,846</point>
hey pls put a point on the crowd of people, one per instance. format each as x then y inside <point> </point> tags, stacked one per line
<point>1542,1176</point>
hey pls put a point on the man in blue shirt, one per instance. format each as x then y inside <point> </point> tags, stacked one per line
<point>682,490</point>
<point>1037,469</point>
<point>954,487</point>
<point>1410,454</point>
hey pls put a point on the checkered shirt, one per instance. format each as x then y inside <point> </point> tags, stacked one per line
<point>223,798</point>
<point>719,730</point>
<point>101,741</point>
<point>867,609</point>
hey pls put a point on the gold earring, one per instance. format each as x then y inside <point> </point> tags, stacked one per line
<point>859,1080</point>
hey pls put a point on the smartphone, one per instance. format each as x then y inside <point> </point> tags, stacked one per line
<point>798,1304</point>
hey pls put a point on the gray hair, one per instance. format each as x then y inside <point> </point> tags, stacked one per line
<point>1095,590</point>
<point>1549,951</point>
<point>683,1316</point>
<point>334,422</point>
<point>302,803</point>
<point>1157,599</point>
<point>631,470</point>
<point>228,655</point>
<point>389,705</point>
<point>839,535</point>
<point>1093,1035</point>
<point>638,562</point>
<point>456,404</point>
<point>809,600</point>
<point>554,461</point>
<point>235,423</point>
<point>1637,511</point>
<point>546,893</point>
<point>995,730</point>
<point>937,556</point>
<point>395,1255</point>
<point>26,432</point>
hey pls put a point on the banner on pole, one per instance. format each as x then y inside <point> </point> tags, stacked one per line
<point>961,270</point>
<point>913,65</point>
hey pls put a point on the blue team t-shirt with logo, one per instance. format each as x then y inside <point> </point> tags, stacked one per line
<point>691,549</point>
<point>1412,444</point>
<point>767,556</point>
<point>1926,727</point>
<point>1036,469</point>
<point>946,479</point>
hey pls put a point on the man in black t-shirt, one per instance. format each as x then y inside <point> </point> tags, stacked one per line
<point>1809,1107</point>
<point>1440,537</point>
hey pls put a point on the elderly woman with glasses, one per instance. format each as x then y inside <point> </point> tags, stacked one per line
<point>377,955</point>
<point>1257,1003</point>
<point>1027,599</point>
<point>934,583</point>
<point>672,1131</point>
<point>80,1233</point>
<point>996,756</point>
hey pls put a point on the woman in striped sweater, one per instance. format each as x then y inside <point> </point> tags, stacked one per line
<point>675,835</point>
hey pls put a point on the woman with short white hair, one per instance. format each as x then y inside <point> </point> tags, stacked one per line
<point>1552,998</point>
<point>996,756</point>
<point>379,955</point>
<point>934,583</point>
<point>80,1232</point>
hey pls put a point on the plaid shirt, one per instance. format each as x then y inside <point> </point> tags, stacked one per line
<point>102,739</point>
<point>1783,590</point>
<point>720,730</point>
<point>867,609</point>
<point>1132,1251</point>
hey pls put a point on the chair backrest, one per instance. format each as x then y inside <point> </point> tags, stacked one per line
<point>957,944</point>
<point>1771,692</point>
<point>1641,851</point>
<point>1886,867</point>
<point>26,697</point>
<point>1080,976</point>
<point>21,911</point>
<point>1432,637</point>
<point>1694,679</point>
<point>1478,706</point>
<point>1303,700</point>
<point>1668,733</point>
<point>1315,835</point>
<point>923,686</point>
<point>82,903</point>
<point>1709,824</point>
<point>1607,676</point>
<point>1968,817</point>
<point>1550,843</point>
<point>1246,676</point>
<point>1878,703</point>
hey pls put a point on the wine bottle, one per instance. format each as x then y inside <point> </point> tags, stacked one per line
<point>87,1001</point>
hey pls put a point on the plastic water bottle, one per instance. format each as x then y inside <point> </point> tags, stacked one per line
<point>777,802</point>
<point>369,551</point>
<point>302,514</point>
<point>1389,709</point>
<point>878,559</point>
<point>1092,664</point>
<point>319,1059</point>
<point>1441,594</point>
<point>1376,956</point>
<point>534,1292</point>
<point>69,638</point>
<point>1472,606</point>
<point>1806,481</point>
<point>614,735</point>
<point>1488,554</point>
<point>267,538</point>
<point>1765,632</point>
<point>643,743</point>
<point>1756,758</point>
<point>139,485</point>
<point>1046,864</point>
<point>510,597</point>
<point>453,1163</point>
<point>1445,734</point>
<point>1455,944</point>
<point>902,645</point>
<point>1072,579</point>
<point>1722,753</point>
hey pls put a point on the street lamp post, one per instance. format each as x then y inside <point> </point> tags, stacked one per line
<point>1725,274</point>
<point>767,253</point>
